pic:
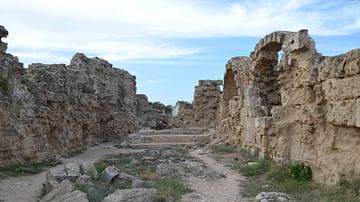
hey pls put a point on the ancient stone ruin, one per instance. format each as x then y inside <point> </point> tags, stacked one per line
<point>286,101</point>
<point>202,113</point>
<point>49,110</point>
<point>296,105</point>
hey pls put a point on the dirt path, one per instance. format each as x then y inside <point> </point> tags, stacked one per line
<point>220,190</point>
<point>28,188</point>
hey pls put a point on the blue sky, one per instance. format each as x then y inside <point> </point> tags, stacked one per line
<point>170,45</point>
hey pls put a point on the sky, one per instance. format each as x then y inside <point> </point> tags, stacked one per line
<point>170,44</point>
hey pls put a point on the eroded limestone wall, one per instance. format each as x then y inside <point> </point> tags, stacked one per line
<point>48,110</point>
<point>302,106</point>
<point>203,111</point>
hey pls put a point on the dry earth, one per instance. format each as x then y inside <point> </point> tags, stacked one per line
<point>225,189</point>
<point>28,188</point>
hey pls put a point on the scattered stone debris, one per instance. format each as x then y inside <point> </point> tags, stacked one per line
<point>133,195</point>
<point>273,197</point>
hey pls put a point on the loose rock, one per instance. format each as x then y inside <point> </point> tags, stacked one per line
<point>133,195</point>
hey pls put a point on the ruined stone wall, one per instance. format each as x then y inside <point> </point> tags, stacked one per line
<point>203,111</point>
<point>150,117</point>
<point>302,106</point>
<point>184,115</point>
<point>48,110</point>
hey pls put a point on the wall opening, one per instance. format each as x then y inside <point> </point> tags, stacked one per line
<point>230,90</point>
<point>267,75</point>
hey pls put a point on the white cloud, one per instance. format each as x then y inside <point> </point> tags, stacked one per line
<point>141,29</point>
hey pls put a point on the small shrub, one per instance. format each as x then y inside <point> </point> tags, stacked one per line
<point>300,171</point>
<point>171,187</point>
<point>261,167</point>
<point>100,165</point>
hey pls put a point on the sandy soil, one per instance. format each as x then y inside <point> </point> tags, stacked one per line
<point>219,190</point>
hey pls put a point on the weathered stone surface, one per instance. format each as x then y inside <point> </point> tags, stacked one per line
<point>89,169</point>
<point>134,195</point>
<point>302,106</point>
<point>273,196</point>
<point>63,188</point>
<point>72,171</point>
<point>150,117</point>
<point>47,110</point>
<point>125,176</point>
<point>49,185</point>
<point>57,175</point>
<point>111,172</point>
<point>203,111</point>
<point>84,180</point>
<point>3,33</point>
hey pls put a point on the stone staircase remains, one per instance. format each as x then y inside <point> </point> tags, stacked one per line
<point>147,138</point>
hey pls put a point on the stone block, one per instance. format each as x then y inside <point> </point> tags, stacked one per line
<point>251,91</point>
<point>111,172</point>
<point>257,111</point>
<point>57,175</point>
<point>357,113</point>
<point>73,171</point>
<point>263,122</point>
<point>277,113</point>
<point>340,89</point>
<point>252,101</point>
<point>342,112</point>
<point>89,169</point>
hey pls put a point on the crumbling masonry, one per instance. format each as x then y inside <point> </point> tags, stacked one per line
<point>302,106</point>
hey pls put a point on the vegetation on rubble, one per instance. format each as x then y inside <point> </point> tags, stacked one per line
<point>27,168</point>
<point>293,178</point>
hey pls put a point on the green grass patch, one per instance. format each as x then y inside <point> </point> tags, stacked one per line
<point>171,187</point>
<point>100,165</point>
<point>261,167</point>
<point>295,179</point>
<point>223,149</point>
<point>28,168</point>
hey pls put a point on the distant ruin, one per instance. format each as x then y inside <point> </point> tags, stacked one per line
<point>289,102</point>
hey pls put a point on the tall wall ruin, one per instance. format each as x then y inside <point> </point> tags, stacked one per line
<point>288,102</point>
<point>48,110</point>
<point>203,111</point>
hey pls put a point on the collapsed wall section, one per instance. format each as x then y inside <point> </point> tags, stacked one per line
<point>302,106</point>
